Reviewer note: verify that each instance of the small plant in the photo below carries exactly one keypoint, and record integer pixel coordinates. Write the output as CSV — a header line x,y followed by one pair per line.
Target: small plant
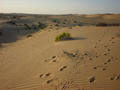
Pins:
x,y
64,23
107,24
56,25
75,21
34,26
56,21
41,25
11,22
29,35
27,27
63,36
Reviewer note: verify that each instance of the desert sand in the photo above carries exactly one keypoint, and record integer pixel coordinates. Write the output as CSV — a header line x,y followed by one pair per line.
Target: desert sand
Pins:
x,y
90,61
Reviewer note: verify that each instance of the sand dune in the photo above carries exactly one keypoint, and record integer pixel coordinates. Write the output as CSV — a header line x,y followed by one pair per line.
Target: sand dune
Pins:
x,y
89,62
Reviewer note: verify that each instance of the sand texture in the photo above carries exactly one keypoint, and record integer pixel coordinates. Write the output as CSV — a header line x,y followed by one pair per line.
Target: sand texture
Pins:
x,y
90,61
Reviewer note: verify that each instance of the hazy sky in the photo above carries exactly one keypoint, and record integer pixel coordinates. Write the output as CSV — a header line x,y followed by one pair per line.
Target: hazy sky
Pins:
x,y
60,6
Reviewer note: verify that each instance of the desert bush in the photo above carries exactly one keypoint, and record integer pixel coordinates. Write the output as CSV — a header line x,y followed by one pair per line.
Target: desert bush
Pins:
x,y
27,26
64,23
105,24
75,21
29,35
11,22
34,26
56,24
63,36
56,21
41,25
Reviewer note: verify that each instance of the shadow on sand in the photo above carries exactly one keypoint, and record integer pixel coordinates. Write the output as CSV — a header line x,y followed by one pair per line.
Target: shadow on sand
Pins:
x,y
78,38
75,38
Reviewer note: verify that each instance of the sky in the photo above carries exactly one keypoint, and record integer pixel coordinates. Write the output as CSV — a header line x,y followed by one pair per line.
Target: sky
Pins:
x,y
60,6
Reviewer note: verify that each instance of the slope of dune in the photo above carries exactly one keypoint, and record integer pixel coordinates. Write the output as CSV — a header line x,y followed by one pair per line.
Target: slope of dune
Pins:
x,y
90,61
105,16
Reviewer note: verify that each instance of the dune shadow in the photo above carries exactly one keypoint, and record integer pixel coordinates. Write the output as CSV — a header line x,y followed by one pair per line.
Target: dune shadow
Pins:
x,y
10,36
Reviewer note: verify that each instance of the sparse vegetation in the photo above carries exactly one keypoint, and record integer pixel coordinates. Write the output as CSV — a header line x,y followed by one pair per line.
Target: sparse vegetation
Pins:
x,y
41,25
105,24
75,21
56,24
63,36
29,35
34,26
64,23
11,22
56,21
27,27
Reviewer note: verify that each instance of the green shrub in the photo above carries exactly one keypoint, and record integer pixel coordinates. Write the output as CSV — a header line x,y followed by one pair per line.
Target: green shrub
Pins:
x,y
56,21
63,36
64,23
27,27
56,25
41,25
29,35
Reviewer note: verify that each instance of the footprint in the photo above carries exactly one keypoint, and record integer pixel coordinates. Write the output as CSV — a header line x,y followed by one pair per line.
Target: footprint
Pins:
x,y
109,60
81,89
95,47
85,54
94,67
49,81
64,67
53,57
105,63
96,56
104,69
92,79
90,58
47,60
48,74
113,38
45,75
108,50
66,85
105,46
41,75
99,40
54,61
105,54
116,77
113,42
50,59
